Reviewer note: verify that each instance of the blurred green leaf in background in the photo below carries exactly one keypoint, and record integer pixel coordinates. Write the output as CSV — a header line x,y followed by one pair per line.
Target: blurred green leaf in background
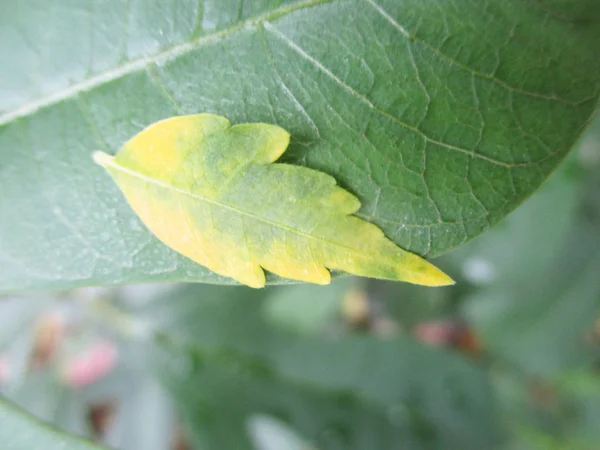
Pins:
x,y
441,116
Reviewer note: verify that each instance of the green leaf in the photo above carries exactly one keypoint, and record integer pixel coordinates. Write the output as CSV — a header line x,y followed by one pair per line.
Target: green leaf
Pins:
x,y
441,117
19,431
224,365
211,192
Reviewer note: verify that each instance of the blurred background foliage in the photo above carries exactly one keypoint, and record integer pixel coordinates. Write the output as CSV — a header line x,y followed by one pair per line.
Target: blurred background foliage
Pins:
x,y
506,359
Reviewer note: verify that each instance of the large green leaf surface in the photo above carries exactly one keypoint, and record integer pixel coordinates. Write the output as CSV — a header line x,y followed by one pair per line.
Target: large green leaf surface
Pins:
x,y
225,364
440,116
19,431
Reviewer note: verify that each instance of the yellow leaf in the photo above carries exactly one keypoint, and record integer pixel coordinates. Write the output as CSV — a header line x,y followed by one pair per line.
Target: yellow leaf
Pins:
x,y
213,193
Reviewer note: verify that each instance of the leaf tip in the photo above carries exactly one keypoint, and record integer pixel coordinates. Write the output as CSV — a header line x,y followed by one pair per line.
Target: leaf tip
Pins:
x,y
436,278
102,159
416,270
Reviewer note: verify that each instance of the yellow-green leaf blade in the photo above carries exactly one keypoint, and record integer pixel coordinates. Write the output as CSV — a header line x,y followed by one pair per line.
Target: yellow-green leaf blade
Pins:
x,y
213,193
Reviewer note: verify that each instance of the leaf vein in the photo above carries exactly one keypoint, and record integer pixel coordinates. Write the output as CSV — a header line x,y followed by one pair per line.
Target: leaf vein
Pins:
x,y
139,64
294,46
223,205
490,77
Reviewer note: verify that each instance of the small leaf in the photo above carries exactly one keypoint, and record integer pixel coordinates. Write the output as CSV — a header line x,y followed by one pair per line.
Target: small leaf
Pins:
x,y
211,192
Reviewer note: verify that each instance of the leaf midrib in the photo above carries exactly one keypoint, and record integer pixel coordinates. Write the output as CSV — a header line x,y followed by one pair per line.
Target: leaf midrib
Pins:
x,y
139,64
110,161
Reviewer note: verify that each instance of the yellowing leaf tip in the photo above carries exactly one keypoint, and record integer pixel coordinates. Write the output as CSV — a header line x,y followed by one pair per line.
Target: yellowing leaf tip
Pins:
x,y
437,278
432,276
